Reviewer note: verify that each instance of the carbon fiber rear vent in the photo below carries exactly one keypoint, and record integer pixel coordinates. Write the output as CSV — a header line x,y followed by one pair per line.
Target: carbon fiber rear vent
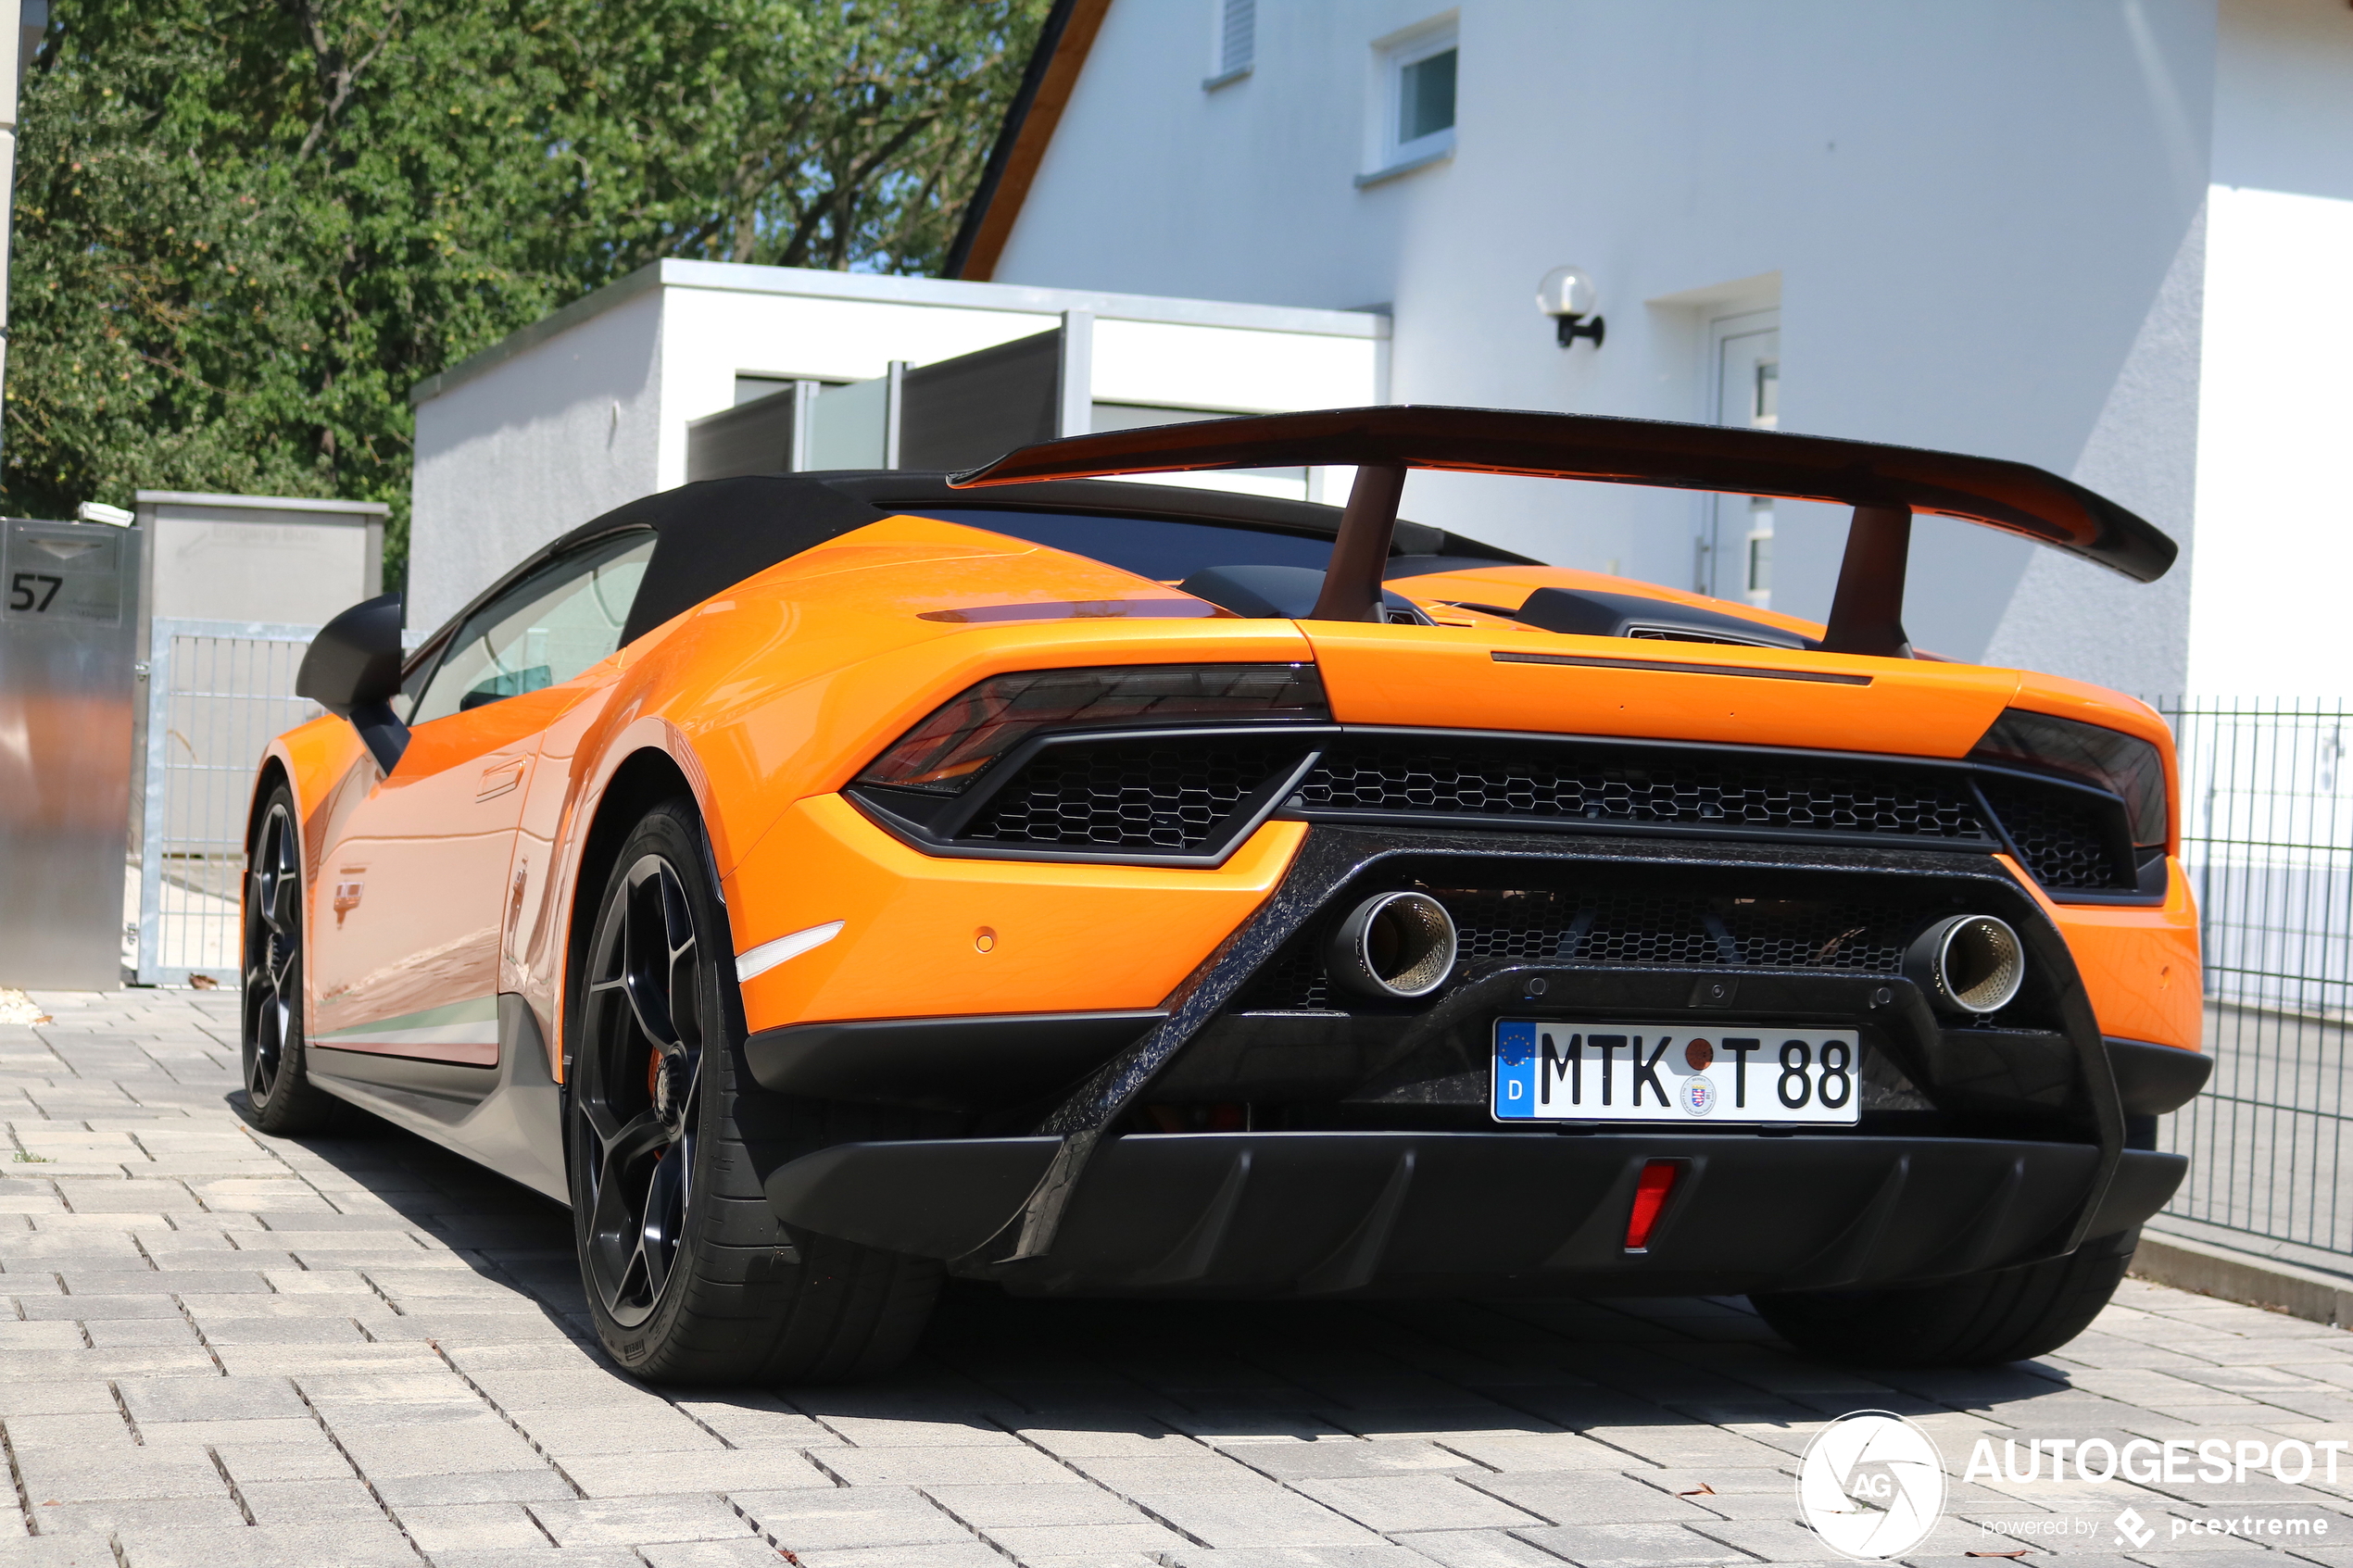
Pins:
x,y
1626,925
2066,839
1132,795
1652,929
1659,789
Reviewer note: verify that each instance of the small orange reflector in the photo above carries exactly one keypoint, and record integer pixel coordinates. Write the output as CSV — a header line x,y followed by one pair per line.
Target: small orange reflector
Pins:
x,y
1650,1200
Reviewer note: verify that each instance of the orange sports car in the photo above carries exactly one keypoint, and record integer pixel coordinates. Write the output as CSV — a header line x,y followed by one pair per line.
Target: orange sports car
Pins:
x,y
829,883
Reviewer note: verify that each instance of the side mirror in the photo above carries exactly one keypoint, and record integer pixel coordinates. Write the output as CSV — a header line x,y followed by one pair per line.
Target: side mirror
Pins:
x,y
353,672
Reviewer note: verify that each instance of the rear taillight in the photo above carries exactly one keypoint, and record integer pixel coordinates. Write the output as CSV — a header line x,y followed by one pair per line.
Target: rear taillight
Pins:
x,y
1650,1192
943,754
2104,759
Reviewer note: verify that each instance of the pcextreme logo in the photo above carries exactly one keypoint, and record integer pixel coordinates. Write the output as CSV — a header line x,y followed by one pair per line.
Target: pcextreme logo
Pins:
x,y
1871,1484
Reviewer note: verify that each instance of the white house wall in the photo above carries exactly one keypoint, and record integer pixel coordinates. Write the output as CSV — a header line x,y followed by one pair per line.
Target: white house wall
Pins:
x,y
2095,624
1232,369
537,444
2275,508
1982,219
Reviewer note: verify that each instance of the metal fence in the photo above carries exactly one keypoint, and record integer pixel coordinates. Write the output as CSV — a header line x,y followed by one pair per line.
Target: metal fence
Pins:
x,y
217,692
2266,835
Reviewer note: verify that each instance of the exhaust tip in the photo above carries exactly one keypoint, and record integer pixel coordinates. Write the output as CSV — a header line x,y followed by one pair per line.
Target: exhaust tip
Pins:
x,y
1393,947
1968,964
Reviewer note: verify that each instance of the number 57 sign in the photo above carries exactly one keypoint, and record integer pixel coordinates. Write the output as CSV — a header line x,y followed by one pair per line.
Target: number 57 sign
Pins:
x,y
35,591
63,572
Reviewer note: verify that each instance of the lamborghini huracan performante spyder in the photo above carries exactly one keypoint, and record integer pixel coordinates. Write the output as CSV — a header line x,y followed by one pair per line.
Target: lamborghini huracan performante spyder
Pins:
x,y
830,883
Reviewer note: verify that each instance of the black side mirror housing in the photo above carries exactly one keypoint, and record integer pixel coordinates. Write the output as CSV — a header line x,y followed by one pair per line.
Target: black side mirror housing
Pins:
x,y
353,672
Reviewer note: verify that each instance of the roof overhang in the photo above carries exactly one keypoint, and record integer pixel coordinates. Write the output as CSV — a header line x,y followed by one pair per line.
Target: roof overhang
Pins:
x,y
1046,86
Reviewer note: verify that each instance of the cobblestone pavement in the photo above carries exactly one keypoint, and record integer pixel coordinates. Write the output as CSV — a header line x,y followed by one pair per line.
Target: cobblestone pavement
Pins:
x,y
228,1350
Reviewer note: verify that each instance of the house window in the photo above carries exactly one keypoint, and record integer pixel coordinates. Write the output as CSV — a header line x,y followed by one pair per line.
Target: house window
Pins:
x,y
1426,98
1414,99
1235,47
1238,39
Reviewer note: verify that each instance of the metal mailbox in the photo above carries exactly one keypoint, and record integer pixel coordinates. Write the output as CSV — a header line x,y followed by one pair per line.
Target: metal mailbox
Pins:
x,y
69,625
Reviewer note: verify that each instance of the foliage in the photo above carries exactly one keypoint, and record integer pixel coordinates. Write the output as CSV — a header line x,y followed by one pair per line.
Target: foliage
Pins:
x,y
243,230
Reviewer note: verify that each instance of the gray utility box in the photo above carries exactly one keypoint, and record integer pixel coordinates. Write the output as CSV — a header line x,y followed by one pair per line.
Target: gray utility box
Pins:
x,y
273,561
279,558
69,628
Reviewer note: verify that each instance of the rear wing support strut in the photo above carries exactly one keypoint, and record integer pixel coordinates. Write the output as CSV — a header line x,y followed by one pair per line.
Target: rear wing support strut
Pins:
x,y
1867,613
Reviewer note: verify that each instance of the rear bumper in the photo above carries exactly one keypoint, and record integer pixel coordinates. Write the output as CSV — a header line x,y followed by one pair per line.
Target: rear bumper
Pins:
x,y
1403,1212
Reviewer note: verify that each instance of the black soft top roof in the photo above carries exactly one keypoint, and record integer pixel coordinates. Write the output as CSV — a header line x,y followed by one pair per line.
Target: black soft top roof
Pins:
x,y
715,532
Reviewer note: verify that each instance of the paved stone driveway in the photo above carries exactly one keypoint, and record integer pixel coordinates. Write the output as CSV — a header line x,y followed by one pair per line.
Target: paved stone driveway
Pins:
x,y
228,1350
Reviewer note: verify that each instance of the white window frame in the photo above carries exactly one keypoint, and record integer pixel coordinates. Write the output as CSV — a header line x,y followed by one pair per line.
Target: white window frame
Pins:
x,y
1387,154
1222,70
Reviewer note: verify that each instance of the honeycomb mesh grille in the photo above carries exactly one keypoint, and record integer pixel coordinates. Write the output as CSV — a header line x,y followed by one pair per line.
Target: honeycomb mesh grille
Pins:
x,y
1172,797
1146,795
1533,784
1632,927
2060,836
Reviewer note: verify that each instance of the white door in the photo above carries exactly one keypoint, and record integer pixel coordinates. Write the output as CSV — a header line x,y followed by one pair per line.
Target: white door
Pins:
x,y
1735,547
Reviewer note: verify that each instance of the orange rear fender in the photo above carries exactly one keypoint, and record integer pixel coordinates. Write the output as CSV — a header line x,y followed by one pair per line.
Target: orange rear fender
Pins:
x,y
928,937
2139,962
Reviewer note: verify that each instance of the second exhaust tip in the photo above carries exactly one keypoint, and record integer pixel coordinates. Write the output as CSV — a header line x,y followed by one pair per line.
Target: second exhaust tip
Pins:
x,y
1392,946
1969,964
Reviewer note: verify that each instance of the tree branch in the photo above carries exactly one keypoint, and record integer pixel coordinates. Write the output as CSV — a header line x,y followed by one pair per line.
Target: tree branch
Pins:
x,y
845,190
338,75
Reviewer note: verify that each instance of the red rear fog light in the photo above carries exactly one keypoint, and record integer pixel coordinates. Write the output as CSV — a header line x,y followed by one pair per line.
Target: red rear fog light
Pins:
x,y
1650,1200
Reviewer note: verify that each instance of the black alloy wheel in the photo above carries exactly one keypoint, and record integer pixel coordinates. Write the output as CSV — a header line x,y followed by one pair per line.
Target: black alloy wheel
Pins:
x,y
690,1276
640,1091
278,1090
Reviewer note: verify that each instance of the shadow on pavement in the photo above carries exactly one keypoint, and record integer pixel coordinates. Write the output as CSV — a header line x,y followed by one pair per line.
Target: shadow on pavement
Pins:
x,y
1372,1368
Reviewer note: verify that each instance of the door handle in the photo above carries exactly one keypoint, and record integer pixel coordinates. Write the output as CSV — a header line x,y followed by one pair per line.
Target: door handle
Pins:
x,y
498,780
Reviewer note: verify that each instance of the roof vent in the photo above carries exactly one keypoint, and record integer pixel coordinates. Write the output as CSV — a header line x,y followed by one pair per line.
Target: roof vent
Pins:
x,y
1630,615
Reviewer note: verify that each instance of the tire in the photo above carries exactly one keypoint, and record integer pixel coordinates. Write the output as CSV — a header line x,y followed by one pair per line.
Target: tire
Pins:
x,y
280,1097
691,1277
1977,1320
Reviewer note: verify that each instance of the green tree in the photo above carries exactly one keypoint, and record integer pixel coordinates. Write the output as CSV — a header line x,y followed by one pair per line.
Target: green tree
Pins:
x,y
243,231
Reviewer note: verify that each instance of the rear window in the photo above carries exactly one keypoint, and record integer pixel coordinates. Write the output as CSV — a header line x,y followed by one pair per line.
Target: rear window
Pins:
x,y
1159,548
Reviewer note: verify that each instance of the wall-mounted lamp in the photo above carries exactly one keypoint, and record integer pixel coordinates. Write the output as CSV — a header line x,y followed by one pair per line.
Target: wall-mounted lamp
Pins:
x,y
1569,296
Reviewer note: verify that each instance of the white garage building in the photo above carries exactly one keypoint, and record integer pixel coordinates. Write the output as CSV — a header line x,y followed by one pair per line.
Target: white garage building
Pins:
x,y
699,370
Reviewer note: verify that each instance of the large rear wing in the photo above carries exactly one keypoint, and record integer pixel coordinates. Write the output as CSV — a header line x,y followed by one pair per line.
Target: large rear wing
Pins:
x,y
1884,485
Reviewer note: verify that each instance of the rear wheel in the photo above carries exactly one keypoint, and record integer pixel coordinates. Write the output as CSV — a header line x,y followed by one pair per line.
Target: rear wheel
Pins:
x,y
1977,1320
691,1277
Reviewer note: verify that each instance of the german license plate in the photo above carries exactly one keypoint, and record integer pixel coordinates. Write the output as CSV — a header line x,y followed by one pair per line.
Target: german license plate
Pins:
x,y
1583,1071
